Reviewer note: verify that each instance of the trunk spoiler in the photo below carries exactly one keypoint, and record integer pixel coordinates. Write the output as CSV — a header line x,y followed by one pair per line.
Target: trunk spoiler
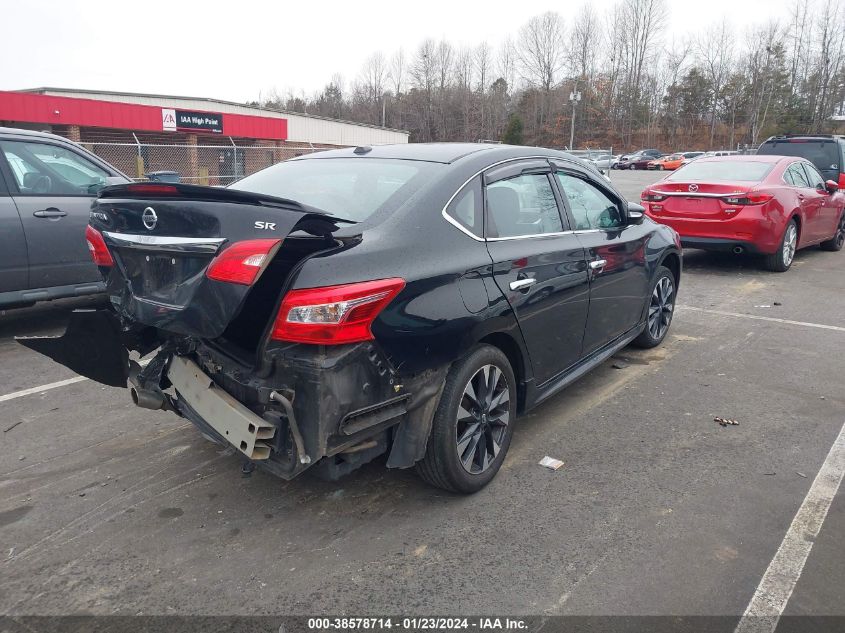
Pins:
x,y
202,193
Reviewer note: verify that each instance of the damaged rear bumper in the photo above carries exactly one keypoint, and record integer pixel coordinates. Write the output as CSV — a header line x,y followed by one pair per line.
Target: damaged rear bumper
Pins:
x,y
333,407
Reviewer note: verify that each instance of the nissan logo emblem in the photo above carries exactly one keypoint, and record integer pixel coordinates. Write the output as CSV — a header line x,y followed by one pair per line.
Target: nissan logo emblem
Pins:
x,y
693,188
149,218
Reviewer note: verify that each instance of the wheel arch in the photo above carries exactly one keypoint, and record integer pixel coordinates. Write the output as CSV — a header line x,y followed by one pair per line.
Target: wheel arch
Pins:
x,y
672,261
511,349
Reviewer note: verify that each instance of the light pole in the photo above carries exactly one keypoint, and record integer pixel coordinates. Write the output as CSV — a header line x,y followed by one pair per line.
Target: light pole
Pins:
x,y
574,98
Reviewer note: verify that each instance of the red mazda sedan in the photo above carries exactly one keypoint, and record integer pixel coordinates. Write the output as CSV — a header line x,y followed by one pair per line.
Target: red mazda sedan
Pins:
x,y
768,205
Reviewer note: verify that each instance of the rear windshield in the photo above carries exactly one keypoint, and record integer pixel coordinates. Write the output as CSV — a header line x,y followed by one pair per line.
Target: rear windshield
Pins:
x,y
823,154
704,171
350,188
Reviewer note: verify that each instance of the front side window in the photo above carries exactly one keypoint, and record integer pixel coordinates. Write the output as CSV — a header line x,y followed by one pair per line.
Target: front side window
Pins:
x,y
521,206
45,169
591,208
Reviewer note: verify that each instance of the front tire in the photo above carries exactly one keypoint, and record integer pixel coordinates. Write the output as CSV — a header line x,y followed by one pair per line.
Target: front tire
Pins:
x,y
661,308
781,259
838,240
473,424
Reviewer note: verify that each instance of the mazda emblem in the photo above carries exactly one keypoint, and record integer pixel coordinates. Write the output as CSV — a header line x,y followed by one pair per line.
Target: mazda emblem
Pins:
x,y
693,188
149,218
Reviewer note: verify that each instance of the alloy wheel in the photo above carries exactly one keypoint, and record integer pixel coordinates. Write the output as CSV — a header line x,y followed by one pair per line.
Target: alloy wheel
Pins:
x,y
789,243
661,308
839,238
483,417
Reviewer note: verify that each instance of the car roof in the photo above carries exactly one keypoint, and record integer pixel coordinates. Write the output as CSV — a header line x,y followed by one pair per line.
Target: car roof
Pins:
x,y
441,152
804,137
752,158
43,135
431,152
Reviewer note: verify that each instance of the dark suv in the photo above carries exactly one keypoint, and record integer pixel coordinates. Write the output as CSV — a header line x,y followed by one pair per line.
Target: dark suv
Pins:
x,y
825,151
47,185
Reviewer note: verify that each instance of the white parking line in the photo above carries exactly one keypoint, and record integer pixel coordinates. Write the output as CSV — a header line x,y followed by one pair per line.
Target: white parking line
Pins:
x,y
47,387
758,317
52,385
777,584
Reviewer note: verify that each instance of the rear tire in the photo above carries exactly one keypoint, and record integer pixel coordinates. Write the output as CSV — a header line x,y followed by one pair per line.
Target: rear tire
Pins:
x,y
838,240
470,435
782,258
661,308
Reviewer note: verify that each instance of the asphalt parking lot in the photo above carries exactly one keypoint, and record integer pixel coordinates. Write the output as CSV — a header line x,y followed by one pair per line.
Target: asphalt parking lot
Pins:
x,y
110,509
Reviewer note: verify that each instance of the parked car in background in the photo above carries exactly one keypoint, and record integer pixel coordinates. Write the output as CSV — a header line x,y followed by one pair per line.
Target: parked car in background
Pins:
x,y
670,162
47,185
301,319
689,157
164,176
768,205
642,160
603,161
826,152
624,161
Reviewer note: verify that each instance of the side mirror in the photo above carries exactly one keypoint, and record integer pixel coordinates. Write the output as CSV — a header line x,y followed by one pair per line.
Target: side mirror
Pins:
x,y
832,186
636,213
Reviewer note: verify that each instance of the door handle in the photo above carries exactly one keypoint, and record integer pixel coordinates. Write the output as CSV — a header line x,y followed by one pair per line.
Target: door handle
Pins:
x,y
50,213
598,264
800,196
519,284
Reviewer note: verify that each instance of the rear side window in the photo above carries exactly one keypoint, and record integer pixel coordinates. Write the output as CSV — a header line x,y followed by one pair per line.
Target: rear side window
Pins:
x,y
467,209
814,178
350,188
796,176
521,206
731,170
823,154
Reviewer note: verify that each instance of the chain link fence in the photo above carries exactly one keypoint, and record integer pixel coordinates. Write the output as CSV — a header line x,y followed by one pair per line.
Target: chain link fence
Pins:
x,y
215,165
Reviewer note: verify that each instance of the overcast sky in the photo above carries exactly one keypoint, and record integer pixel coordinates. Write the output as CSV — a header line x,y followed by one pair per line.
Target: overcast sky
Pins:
x,y
237,49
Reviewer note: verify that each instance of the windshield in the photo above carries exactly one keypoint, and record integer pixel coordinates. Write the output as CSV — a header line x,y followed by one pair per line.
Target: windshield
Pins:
x,y
350,188
821,153
730,170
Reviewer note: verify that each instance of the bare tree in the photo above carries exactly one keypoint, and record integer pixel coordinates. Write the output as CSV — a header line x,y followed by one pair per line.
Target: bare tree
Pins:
x,y
715,50
424,76
541,49
542,54
585,42
506,62
397,72
642,25
799,36
483,60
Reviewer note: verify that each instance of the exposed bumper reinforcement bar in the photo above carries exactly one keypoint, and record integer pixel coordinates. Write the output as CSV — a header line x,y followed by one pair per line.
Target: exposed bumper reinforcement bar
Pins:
x,y
242,428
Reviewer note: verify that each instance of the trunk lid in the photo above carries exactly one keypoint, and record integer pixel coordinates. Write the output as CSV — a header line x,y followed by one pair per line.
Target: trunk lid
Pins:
x,y
694,200
163,238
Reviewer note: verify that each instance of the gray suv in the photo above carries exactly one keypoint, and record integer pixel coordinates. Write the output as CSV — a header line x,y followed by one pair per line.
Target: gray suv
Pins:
x,y
47,185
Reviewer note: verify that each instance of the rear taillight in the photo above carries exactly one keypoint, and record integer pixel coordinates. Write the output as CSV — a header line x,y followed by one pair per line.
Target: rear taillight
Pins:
x,y
748,199
334,314
97,247
650,196
242,262
152,189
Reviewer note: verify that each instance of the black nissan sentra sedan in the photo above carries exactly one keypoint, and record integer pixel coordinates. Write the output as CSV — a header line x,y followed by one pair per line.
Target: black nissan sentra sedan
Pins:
x,y
409,300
